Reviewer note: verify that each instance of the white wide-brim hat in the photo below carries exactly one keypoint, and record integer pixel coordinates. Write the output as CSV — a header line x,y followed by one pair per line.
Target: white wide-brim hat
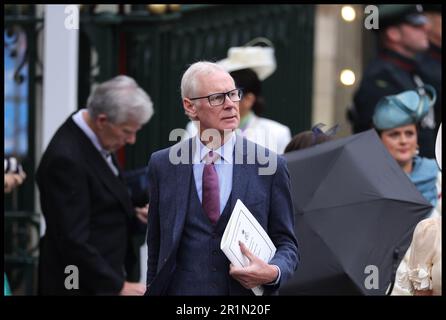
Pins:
x,y
260,59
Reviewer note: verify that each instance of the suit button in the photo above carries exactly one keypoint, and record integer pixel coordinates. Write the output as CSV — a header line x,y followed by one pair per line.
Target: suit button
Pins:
x,y
165,259
214,252
214,269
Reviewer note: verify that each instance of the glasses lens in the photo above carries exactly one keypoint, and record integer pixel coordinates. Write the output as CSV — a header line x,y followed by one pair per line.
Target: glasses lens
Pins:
x,y
217,99
235,95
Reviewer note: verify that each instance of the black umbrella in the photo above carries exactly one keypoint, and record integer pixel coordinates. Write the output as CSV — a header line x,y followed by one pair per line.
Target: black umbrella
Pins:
x,y
355,214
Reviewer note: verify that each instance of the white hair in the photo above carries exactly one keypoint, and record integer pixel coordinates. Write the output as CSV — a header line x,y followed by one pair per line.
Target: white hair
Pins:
x,y
189,83
121,99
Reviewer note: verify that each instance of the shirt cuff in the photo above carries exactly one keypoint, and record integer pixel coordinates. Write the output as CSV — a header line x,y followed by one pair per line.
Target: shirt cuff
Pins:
x,y
273,283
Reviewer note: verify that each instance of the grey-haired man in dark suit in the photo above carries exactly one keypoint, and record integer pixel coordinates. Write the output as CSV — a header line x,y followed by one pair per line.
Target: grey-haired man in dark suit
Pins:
x,y
85,202
184,229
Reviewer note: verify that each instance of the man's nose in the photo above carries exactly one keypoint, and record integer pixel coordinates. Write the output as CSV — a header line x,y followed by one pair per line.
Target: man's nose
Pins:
x,y
229,103
131,139
425,27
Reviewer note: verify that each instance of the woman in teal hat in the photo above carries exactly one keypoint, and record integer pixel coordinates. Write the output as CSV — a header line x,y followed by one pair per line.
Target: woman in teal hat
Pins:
x,y
396,120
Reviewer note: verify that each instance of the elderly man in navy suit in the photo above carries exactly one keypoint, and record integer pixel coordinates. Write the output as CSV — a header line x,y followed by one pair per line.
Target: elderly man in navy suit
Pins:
x,y
85,202
194,187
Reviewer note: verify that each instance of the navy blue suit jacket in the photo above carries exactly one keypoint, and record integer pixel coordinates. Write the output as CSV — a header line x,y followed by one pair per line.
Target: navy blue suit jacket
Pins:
x,y
266,196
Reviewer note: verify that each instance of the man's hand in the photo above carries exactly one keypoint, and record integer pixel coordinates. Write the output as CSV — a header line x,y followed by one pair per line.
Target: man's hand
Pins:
x,y
132,289
142,213
258,272
13,180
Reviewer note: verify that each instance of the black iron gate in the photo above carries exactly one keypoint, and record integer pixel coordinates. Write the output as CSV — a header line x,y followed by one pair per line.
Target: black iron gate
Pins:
x,y
156,49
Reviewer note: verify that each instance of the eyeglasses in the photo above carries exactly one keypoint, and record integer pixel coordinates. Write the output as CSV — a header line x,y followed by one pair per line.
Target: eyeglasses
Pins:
x,y
218,99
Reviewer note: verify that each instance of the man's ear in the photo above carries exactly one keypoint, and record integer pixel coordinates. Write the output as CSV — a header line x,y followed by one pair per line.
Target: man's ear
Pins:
x,y
189,108
393,33
101,120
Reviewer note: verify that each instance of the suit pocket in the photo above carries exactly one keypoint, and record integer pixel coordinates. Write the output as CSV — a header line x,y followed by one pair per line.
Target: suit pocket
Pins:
x,y
185,283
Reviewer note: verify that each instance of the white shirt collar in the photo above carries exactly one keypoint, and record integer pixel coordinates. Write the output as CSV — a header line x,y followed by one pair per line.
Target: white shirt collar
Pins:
x,y
82,124
225,151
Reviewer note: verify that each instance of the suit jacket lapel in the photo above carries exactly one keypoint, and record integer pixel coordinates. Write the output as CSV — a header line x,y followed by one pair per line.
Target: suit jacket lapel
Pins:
x,y
117,166
240,174
102,170
112,182
183,173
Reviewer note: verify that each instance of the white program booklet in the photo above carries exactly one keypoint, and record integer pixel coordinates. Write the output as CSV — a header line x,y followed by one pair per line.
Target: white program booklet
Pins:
x,y
242,226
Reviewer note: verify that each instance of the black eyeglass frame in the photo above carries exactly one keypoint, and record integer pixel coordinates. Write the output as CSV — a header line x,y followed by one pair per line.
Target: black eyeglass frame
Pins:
x,y
225,94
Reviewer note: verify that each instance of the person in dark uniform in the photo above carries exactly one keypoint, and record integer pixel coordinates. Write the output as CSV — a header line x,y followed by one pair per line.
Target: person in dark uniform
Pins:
x,y
429,64
402,35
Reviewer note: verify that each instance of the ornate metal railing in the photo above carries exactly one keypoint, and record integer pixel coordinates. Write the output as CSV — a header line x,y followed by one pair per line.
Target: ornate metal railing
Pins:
x,y
22,30
21,234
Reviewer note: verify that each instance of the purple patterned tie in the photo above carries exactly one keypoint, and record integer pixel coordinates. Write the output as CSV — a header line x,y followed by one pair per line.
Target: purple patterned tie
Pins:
x,y
211,190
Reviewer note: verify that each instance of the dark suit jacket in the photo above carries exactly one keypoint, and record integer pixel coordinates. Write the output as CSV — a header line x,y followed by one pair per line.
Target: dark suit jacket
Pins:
x,y
267,196
87,210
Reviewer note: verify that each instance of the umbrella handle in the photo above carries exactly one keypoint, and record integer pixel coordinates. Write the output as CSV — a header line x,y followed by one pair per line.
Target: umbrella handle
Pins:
x,y
396,254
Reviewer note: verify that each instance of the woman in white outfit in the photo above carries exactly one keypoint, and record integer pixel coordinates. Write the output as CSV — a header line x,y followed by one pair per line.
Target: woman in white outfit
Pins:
x,y
423,275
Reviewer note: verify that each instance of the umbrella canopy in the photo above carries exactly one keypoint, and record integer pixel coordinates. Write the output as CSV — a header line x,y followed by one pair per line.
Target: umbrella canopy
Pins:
x,y
355,213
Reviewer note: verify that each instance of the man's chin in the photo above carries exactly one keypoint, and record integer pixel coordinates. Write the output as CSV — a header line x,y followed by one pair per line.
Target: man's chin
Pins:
x,y
231,126
230,129
114,149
